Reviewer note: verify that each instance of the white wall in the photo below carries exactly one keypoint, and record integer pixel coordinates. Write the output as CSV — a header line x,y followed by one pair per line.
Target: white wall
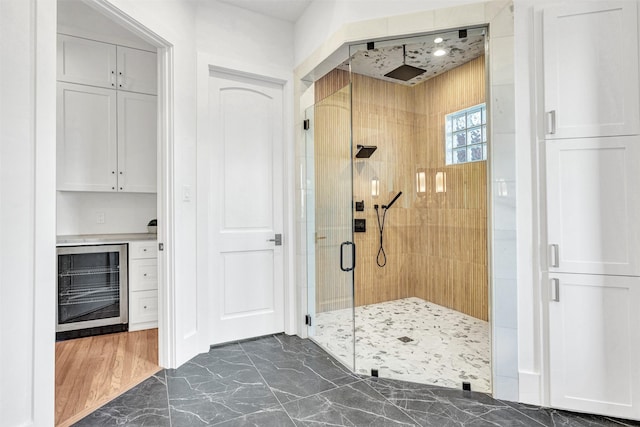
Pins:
x,y
323,18
27,211
122,212
78,19
242,41
175,22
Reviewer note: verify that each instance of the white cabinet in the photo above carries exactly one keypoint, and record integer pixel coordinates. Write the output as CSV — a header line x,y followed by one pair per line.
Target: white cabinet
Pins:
x,y
106,117
594,344
143,285
86,62
86,138
591,69
137,142
137,70
593,206
106,140
94,63
592,169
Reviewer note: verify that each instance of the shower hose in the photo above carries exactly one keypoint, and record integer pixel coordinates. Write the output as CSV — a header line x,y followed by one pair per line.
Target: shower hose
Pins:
x,y
381,258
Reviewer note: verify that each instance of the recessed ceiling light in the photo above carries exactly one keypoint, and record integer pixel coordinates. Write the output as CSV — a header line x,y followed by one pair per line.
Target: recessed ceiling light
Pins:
x,y
440,52
438,40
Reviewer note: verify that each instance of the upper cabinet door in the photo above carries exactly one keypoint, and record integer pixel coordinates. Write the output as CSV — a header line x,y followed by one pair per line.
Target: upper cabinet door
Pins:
x,y
137,142
594,205
86,62
86,138
137,70
591,69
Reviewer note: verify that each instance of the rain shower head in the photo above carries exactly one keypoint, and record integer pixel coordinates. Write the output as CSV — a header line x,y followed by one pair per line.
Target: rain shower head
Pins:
x,y
405,72
365,151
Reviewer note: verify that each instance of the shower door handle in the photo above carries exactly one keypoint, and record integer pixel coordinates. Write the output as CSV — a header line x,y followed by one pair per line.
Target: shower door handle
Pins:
x,y
353,256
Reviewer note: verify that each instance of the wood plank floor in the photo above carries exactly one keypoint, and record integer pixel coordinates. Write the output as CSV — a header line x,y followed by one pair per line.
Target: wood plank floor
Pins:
x,y
92,371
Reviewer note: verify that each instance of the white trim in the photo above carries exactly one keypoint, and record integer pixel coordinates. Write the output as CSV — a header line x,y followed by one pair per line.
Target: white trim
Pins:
x,y
165,180
44,216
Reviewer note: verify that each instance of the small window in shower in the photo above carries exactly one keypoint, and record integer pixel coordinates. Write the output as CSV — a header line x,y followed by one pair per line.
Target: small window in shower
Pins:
x,y
466,135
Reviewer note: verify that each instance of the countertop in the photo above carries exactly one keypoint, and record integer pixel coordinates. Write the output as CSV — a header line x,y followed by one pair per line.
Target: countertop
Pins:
x,y
93,239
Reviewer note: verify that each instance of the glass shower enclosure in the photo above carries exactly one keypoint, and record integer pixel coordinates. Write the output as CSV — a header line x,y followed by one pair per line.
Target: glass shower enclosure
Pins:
x,y
330,247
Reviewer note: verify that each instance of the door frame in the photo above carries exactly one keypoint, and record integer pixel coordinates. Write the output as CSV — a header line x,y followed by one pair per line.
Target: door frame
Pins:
x,y
206,63
165,177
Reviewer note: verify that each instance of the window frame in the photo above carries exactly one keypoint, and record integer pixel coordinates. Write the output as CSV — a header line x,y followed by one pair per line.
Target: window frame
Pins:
x,y
460,125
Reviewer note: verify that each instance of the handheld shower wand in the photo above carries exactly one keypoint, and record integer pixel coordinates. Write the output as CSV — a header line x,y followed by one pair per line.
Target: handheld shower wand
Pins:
x,y
381,259
392,201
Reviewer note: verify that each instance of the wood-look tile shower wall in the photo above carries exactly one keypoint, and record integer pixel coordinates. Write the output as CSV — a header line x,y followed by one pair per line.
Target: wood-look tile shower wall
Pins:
x,y
436,245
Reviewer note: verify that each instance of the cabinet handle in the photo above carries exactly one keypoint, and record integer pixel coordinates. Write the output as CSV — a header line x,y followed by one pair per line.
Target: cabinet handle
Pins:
x,y
554,255
145,307
121,188
113,188
555,290
113,172
551,122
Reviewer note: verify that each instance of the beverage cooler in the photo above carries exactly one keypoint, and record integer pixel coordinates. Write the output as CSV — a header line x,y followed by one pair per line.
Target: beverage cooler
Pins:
x,y
91,290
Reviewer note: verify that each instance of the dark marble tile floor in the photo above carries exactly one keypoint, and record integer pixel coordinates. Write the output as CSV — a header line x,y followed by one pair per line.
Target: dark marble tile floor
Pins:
x,y
287,381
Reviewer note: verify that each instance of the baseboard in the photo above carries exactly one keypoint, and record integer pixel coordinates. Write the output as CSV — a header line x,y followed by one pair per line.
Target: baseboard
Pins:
x,y
530,388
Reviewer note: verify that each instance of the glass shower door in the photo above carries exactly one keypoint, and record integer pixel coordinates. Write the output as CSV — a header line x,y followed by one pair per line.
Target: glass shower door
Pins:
x,y
331,252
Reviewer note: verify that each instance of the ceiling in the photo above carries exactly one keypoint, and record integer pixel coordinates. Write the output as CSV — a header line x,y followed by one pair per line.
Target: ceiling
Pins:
x,y
287,10
419,53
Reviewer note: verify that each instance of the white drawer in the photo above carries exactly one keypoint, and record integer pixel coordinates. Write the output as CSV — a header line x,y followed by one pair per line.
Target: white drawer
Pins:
x,y
143,307
143,249
143,274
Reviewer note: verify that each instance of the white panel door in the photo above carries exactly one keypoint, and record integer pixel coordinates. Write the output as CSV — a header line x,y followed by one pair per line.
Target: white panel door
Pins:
x,y
86,61
86,138
246,207
591,69
137,70
593,205
137,142
594,342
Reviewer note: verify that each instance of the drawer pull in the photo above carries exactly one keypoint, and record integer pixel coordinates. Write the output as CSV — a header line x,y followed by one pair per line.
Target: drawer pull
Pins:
x,y
145,274
145,307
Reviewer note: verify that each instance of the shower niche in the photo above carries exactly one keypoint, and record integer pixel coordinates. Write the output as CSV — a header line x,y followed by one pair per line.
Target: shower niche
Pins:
x,y
415,306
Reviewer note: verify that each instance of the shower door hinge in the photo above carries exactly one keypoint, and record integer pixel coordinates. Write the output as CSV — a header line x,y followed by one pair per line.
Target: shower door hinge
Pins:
x,y
306,124
161,246
307,320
